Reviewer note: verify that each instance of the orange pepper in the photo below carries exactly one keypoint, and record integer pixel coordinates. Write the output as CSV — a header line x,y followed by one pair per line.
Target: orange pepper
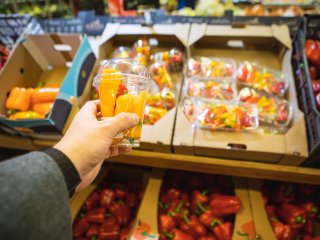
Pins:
x,y
19,99
42,108
43,95
26,115
139,103
124,103
108,91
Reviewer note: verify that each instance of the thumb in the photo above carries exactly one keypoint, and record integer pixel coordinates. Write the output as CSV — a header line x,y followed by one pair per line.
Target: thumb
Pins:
x,y
122,122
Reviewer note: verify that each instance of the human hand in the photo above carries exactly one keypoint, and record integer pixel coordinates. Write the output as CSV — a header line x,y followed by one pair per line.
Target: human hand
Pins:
x,y
87,142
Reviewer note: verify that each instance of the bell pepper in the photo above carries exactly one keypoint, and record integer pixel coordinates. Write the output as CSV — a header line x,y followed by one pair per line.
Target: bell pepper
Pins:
x,y
80,226
132,200
121,192
192,225
208,237
124,234
107,197
224,205
19,99
223,231
121,212
124,103
109,231
312,50
25,115
281,231
122,90
93,232
177,234
292,215
283,193
43,95
96,215
176,211
42,108
92,201
310,209
308,237
171,195
139,104
199,201
166,223
309,227
271,211
208,219
162,208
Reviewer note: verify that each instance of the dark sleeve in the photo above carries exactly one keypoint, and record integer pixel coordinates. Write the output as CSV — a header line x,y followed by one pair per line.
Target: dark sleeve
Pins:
x,y
70,173
34,200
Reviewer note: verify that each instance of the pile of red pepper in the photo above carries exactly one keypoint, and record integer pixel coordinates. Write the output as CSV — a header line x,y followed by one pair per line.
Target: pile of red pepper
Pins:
x,y
292,209
109,211
196,206
312,48
4,55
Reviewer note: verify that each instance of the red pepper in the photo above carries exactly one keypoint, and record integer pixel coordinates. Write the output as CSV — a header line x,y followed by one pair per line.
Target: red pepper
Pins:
x,y
271,211
310,209
80,226
307,190
176,211
292,215
121,212
107,232
166,223
308,237
124,234
281,231
93,232
171,195
224,205
177,234
132,200
121,192
313,72
96,215
107,197
199,200
283,193
312,50
208,219
309,228
192,226
162,208
92,201
223,231
208,237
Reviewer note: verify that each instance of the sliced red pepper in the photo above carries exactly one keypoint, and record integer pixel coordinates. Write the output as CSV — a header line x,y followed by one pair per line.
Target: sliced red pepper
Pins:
x,y
292,215
107,196
92,201
223,231
224,205
80,226
166,223
121,212
96,215
192,225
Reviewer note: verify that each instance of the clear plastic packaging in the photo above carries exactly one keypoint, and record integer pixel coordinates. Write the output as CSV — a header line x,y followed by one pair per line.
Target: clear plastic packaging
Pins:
x,y
160,75
153,114
211,89
142,46
122,84
165,99
211,67
262,79
225,115
121,52
273,111
173,59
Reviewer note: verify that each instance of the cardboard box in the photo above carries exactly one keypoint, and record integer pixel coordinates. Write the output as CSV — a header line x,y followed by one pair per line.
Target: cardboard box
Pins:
x,y
147,221
66,60
157,137
269,46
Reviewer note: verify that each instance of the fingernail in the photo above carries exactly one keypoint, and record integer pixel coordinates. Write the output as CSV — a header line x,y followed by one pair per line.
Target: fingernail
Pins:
x,y
135,118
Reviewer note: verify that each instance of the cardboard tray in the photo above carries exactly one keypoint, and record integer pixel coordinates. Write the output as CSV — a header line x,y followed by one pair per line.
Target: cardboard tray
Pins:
x,y
157,137
66,60
147,221
269,46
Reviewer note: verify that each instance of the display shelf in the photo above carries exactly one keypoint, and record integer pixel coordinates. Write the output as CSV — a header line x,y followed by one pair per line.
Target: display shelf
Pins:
x,y
239,168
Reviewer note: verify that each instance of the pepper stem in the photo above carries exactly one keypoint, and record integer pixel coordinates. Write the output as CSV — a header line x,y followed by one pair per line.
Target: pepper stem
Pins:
x,y
299,219
185,216
201,207
168,235
178,208
215,222
205,192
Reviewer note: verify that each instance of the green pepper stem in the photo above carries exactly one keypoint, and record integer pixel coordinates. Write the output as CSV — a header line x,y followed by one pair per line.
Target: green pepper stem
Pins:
x,y
168,235
178,208
215,222
299,219
185,216
201,207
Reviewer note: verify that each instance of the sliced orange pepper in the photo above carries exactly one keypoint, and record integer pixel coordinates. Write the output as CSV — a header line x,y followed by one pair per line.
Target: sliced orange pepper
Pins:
x,y
42,108
19,99
108,91
26,115
124,103
139,103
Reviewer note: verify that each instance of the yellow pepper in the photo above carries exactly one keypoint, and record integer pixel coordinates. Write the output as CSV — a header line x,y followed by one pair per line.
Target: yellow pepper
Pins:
x,y
124,103
26,115
138,109
19,99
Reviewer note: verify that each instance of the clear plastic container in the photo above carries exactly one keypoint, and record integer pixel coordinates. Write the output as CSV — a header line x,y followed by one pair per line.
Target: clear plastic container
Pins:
x,y
263,79
165,99
122,84
172,58
211,89
160,75
142,46
121,52
225,115
273,111
153,114
212,68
